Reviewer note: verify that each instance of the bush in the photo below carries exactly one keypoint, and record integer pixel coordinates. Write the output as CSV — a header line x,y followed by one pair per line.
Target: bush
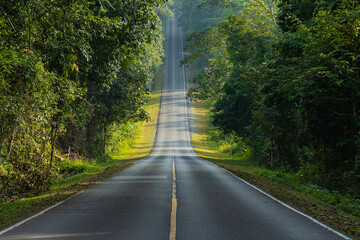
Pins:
x,y
22,176
71,167
309,173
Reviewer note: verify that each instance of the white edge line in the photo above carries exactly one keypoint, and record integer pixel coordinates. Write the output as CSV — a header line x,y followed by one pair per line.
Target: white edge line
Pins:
x,y
36,215
51,207
275,199
256,188
289,207
249,184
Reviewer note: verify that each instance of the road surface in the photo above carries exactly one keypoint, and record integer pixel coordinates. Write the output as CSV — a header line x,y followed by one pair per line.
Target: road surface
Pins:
x,y
172,194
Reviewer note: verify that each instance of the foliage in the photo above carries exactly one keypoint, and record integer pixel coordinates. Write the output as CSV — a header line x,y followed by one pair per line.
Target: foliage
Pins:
x,y
68,71
69,167
311,82
121,138
230,152
285,79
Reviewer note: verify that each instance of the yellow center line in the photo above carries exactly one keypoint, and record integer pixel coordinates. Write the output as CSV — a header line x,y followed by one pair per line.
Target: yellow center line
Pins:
x,y
174,173
173,66
172,235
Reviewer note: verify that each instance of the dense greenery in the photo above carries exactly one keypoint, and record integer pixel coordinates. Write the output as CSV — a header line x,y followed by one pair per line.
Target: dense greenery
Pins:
x,y
72,72
284,77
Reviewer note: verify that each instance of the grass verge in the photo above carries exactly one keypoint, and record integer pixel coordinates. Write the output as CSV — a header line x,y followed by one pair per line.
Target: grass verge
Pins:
x,y
144,141
84,174
318,203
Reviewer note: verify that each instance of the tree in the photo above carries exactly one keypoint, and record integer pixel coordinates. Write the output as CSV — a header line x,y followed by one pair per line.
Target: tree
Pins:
x,y
312,83
69,69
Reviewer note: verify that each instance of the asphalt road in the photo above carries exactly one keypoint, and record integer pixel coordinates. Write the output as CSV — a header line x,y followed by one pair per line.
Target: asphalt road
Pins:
x,y
172,194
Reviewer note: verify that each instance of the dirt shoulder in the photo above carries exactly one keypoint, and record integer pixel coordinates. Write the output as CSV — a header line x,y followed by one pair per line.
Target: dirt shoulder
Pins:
x,y
319,210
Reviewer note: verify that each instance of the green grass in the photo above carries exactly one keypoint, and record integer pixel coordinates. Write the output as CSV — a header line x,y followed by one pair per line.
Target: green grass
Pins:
x,y
78,175
339,211
145,137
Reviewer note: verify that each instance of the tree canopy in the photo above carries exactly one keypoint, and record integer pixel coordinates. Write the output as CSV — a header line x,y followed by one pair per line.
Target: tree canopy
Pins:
x,y
286,75
68,70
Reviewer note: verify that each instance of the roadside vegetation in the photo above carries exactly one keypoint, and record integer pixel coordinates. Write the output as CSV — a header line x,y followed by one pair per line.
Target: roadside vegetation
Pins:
x,y
283,77
340,211
80,88
277,84
76,175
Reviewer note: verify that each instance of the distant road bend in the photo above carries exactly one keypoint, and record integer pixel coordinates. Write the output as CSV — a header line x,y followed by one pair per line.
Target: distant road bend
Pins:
x,y
172,194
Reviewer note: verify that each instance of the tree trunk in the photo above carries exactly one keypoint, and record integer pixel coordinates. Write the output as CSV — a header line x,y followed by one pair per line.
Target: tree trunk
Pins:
x,y
29,37
11,142
53,138
325,159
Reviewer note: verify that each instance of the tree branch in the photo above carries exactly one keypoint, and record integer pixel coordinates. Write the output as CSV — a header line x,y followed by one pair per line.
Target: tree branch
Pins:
x,y
27,25
9,20
134,10
63,26
337,113
269,9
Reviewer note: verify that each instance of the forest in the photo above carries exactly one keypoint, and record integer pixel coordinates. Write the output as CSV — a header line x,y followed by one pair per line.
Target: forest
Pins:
x,y
72,72
282,77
